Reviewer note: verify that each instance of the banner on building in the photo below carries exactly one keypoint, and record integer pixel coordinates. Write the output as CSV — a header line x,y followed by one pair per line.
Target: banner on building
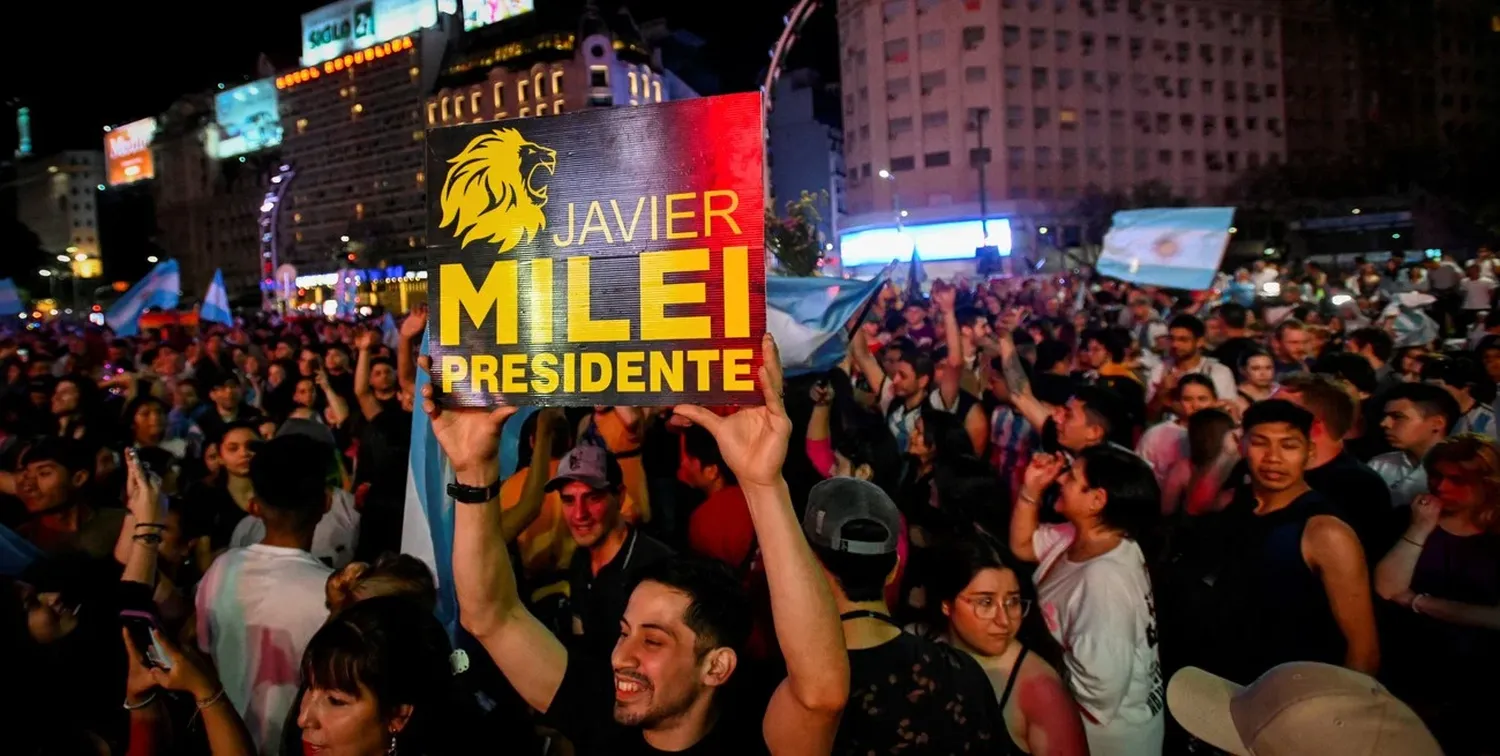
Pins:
x,y
613,256
1177,247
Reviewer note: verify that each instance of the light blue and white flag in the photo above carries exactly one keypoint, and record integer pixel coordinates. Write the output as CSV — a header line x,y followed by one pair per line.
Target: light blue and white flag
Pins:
x,y
215,307
390,333
811,318
1176,247
162,287
10,298
427,523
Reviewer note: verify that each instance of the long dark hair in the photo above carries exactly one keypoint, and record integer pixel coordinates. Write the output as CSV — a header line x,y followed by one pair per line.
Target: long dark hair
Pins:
x,y
397,650
964,557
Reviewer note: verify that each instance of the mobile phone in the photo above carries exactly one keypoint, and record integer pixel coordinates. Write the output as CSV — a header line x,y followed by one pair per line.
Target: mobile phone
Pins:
x,y
140,626
132,453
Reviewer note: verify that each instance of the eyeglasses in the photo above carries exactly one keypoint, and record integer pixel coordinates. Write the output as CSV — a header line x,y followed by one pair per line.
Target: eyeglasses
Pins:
x,y
986,607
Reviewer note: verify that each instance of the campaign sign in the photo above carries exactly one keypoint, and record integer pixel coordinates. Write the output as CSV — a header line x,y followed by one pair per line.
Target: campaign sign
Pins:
x,y
611,256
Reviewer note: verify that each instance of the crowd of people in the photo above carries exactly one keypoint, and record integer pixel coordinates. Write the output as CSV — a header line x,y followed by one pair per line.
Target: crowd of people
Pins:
x,y
1031,515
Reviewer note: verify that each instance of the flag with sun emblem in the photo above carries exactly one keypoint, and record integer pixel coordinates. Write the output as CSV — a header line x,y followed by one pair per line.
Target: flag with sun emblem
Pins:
x,y
611,256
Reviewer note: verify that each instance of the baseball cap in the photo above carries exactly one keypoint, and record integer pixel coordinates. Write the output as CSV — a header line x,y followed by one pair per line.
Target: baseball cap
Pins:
x,y
836,502
301,426
590,464
1296,708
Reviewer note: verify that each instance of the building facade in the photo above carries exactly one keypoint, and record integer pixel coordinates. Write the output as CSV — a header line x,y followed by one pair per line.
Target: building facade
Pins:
x,y
806,150
1061,94
563,57
353,133
57,198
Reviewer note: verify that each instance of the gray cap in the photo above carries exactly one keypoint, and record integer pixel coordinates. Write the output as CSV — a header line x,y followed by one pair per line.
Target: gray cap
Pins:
x,y
836,502
297,426
589,464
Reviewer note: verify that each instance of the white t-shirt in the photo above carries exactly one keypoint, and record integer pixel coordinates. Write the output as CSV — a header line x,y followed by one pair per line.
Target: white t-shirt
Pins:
x,y
1103,615
1218,372
257,609
333,542
1477,293
1161,446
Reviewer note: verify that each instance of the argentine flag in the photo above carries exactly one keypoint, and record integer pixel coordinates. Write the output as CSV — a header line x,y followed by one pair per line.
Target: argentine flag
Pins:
x,y
215,307
812,318
1176,247
10,298
162,287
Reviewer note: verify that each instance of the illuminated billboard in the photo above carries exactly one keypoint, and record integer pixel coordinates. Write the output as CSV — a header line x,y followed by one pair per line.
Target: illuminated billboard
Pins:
x,y
479,13
127,152
350,25
246,119
953,240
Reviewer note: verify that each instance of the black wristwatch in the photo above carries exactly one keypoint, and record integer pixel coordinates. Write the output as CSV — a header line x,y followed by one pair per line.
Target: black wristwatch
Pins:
x,y
473,494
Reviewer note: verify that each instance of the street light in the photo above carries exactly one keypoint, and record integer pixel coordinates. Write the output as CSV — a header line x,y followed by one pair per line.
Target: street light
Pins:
x,y
62,258
151,258
80,257
44,273
885,174
344,238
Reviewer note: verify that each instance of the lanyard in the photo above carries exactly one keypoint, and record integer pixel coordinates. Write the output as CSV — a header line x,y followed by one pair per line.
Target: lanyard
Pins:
x,y
871,614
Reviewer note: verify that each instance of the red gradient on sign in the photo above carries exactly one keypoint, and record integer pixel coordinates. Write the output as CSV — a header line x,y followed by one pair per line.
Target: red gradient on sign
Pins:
x,y
725,136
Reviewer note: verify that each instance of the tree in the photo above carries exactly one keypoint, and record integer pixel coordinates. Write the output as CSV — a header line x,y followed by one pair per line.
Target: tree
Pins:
x,y
21,254
795,240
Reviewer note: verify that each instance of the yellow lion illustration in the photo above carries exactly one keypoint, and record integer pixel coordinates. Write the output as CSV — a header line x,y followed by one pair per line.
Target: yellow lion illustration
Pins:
x,y
494,190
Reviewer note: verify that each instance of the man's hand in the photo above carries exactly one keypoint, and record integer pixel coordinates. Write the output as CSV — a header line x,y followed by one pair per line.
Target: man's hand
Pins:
x,y
414,323
753,441
1040,472
367,341
944,296
470,437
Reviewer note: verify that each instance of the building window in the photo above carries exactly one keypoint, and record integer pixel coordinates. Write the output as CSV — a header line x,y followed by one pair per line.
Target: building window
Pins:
x,y
541,108
1062,40
979,156
899,126
935,120
933,81
1189,157
1086,41
1041,117
1044,157
1091,80
974,35
1015,157
896,51
598,77
1164,157
894,9
1064,79
1068,118
1017,192
1012,77
974,74
499,96
931,40
474,102
525,113
1038,38
901,164
557,82
1015,116
935,159
521,87
1038,78
1069,157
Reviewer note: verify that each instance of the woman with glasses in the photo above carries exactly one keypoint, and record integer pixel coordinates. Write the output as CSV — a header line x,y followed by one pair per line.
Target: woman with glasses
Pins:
x,y
980,595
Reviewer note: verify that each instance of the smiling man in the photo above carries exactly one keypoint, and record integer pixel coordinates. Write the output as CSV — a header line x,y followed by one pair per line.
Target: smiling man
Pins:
x,y
611,554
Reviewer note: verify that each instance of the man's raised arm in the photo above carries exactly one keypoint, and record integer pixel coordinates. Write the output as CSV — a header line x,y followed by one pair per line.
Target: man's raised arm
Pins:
x,y
803,715
532,659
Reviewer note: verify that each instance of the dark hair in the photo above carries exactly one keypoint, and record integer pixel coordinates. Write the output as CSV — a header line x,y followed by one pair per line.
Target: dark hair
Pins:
x,y
398,651
1326,398
1288,324
860,576
1198,379
718,610
391,574
945,433
1460,373
70,454
1103,408
1277,411
1133,497
1049,353
864,439
1114,340
1252,353
1376,339
217,431
1234,315
699,444
920,361
290,477
1350,367
1189,323
1428,399
1206,429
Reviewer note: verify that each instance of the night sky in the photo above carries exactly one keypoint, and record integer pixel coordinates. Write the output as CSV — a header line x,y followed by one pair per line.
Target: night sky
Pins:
x,y
80,66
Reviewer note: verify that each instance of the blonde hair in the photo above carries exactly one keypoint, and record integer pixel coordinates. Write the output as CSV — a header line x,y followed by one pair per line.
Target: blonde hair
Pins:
x,y
1478,456
391,575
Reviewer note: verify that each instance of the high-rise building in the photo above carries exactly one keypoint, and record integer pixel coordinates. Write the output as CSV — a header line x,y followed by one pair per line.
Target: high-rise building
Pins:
x,y
565,56
1062,94
57,198
806,151
205,207
353,136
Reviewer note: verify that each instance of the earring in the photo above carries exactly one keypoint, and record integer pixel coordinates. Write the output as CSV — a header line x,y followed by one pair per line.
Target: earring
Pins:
x,y
391,749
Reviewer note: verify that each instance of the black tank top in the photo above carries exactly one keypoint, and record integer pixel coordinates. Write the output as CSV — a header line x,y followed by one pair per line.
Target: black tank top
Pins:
x,y
1010,748
1276,607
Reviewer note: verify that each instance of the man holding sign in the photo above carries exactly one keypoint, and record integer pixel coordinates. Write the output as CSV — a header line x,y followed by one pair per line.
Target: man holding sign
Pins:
x,y
602,258
686,623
